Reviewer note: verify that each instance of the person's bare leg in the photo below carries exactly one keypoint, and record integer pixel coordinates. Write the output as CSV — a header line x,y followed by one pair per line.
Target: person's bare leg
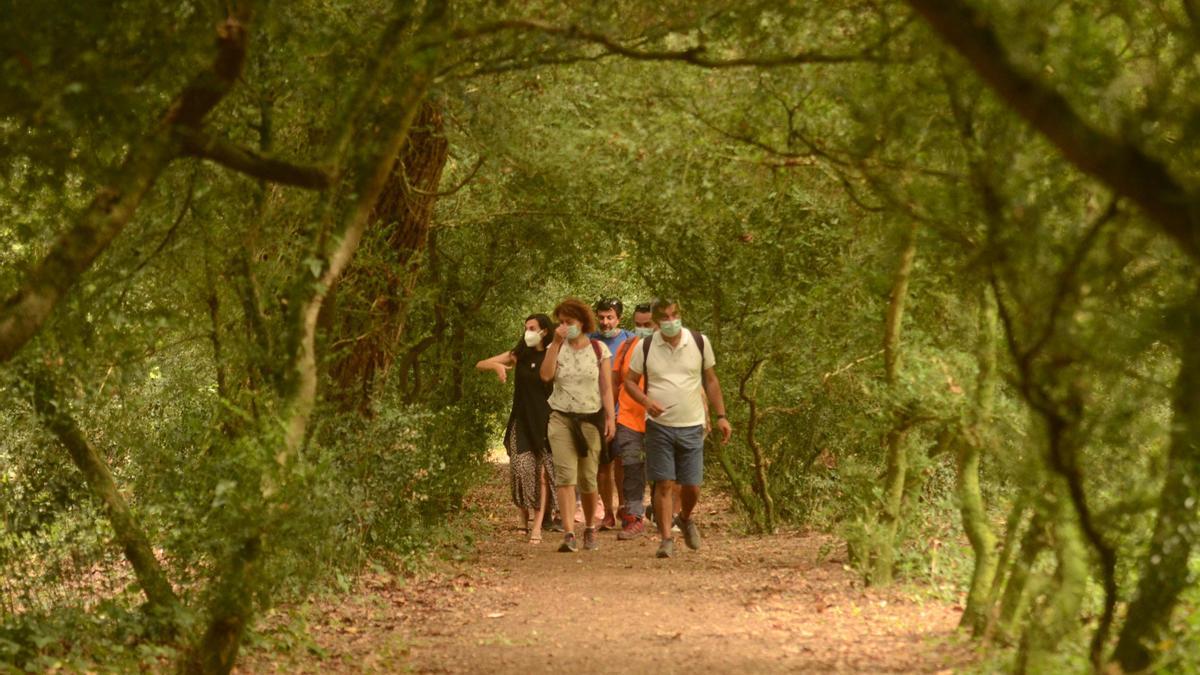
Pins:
x,y
677,502
589,508
535,531
619,482
689,497
524,517
663,507
566,506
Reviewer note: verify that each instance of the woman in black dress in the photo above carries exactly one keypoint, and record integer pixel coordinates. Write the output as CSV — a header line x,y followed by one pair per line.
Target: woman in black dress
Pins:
x,y
525,435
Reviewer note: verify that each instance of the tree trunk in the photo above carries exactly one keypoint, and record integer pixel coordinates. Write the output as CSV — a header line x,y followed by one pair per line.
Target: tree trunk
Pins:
x,y
380,294
974,514
1164,570
1059,617
761,484
160,597
897,451
1016,592
373,159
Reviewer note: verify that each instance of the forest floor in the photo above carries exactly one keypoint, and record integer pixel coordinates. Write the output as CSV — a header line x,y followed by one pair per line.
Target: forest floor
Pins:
x,y
739,604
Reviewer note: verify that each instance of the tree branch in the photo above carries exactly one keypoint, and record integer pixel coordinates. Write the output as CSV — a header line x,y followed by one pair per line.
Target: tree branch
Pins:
x,y
1122,166
197,143
25,311
697,55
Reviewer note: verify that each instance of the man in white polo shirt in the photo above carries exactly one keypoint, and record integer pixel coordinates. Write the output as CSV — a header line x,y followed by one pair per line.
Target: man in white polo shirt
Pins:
x,y
676,363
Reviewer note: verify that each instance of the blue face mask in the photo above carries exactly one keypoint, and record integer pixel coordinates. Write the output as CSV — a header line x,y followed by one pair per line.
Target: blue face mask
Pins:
x,y
671,328
572,331
643,331
611,333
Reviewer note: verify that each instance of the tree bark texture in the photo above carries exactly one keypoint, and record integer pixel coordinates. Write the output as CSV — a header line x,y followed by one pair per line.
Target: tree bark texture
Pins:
x,y
374,299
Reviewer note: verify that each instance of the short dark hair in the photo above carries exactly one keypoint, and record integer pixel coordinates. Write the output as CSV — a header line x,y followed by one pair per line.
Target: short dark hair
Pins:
x,y
659,305
605,304
642,308
574,308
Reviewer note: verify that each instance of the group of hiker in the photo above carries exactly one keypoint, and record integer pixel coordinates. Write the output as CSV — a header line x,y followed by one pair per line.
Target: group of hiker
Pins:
x,y
598,409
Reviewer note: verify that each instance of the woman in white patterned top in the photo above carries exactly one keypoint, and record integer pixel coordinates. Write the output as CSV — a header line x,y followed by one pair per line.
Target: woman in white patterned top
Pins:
x,y
581,413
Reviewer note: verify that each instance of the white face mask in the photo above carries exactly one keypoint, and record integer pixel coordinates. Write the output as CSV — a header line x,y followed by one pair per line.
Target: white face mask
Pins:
x,y
532,338
671,328
643,331
612,333
572,331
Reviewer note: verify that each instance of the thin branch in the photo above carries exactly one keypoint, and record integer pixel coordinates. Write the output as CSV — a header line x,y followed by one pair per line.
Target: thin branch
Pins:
x,y
697,55
444,193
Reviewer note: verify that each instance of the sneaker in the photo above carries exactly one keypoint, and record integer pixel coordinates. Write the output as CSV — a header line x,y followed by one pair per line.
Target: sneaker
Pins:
x,y
589,539
632,528
666,549
691,533
608,523
568,544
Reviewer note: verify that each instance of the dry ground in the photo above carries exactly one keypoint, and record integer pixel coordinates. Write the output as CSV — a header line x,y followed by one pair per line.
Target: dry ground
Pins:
x,y
740,604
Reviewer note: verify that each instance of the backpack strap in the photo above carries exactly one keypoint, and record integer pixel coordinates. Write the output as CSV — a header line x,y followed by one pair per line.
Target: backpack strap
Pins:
x,y
645,363
698,338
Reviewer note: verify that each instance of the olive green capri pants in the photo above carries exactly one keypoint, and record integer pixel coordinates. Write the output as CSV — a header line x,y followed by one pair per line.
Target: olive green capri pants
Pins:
x,y
569,467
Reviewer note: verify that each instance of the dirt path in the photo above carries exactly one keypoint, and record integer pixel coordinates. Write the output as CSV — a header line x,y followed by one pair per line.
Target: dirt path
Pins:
x,y
740,604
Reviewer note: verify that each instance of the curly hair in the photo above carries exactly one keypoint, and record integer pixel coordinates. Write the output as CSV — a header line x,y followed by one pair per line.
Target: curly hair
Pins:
x,y
574,308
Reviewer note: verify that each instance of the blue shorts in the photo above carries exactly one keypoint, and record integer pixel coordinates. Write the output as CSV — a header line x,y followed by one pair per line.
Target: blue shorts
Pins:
x,y
675,453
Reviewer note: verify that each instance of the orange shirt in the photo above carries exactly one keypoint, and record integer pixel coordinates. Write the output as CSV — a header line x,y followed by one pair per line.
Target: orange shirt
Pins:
x,y
630,414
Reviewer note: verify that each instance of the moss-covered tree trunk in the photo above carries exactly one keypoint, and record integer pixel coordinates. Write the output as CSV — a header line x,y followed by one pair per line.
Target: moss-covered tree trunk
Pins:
x,y
371,157
970,449
1164,569
1058,616
160,597
897,448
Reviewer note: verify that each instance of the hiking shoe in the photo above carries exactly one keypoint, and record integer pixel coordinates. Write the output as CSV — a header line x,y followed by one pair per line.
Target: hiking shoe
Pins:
x,y
632,528
589,539
608,523
666,549
691,533
568,544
